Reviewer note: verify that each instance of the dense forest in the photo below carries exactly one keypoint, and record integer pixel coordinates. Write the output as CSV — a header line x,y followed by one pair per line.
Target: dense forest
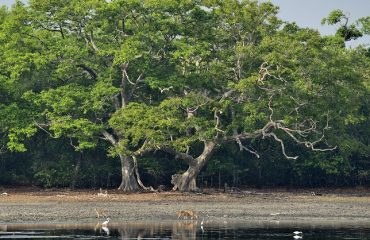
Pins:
x,y
189,94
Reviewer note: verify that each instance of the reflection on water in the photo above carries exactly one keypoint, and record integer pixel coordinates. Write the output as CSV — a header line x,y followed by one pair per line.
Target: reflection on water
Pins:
x,y
189,230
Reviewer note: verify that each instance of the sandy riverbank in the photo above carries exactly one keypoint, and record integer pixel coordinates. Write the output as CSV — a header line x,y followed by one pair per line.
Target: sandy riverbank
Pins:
x,y
254,205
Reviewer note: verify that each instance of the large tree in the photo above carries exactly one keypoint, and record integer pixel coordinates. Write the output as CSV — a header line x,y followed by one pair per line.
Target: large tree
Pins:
x,y
252,77
183,77
90,59
99,55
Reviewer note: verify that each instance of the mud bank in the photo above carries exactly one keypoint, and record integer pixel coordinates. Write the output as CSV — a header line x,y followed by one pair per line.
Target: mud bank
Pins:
x,y
72,206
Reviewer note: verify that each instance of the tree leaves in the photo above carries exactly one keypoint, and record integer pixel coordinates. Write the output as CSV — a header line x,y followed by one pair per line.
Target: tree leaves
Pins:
x,y
174,73
346,31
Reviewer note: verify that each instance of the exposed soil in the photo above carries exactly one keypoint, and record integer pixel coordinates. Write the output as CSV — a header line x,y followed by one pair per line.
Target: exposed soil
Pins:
x,y
34,205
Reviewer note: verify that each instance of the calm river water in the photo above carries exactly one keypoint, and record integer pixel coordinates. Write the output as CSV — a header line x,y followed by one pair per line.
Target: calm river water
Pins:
x,y
189,230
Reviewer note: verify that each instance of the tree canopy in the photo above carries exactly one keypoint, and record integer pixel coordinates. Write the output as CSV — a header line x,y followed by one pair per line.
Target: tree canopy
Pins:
x,y
185,80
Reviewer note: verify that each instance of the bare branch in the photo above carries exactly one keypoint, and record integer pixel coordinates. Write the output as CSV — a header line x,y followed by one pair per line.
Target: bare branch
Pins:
x,y
139,79
166,89
270,107
301,130
282,145
192,110
303,133
218,122
127,77
71,143
41,126
238,68
264,73
296,109
242,147
257,133
187,149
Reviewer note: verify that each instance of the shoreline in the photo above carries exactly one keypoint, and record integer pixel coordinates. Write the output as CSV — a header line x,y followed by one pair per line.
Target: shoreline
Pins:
x,y
250,206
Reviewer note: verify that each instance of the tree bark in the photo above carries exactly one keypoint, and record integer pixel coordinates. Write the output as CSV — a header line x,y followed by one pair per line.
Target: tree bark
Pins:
x,y
129,183
186,182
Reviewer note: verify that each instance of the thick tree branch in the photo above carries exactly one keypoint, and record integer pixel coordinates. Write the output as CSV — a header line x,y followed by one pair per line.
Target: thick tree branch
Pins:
x,y
237,137
178,155
209,148
109,137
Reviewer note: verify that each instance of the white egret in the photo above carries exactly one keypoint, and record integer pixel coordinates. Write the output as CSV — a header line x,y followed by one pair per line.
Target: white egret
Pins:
x,y
105,223
106,230
201,225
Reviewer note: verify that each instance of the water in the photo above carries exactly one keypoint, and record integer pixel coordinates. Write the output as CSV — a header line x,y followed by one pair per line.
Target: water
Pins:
x,y
189,230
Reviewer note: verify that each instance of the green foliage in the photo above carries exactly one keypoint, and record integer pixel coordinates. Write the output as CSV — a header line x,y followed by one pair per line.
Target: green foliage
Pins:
x,y
349,33
365,24
346,31
178,73
335,16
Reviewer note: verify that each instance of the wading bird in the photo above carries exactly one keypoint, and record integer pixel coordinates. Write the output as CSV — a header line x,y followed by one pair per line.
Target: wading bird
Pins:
x,y
105,223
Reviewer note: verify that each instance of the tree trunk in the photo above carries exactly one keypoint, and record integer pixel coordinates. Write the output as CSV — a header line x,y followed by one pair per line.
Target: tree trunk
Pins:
x,y
128,183
186,182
